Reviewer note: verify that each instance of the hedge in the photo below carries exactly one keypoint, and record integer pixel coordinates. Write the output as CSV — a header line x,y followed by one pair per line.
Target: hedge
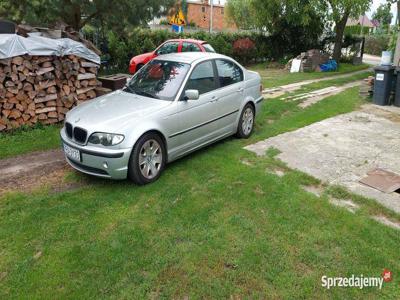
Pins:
x,y
375,44
121,49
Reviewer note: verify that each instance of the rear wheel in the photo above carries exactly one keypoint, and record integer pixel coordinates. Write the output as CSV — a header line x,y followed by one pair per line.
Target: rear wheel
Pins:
x,y
147,159
246,122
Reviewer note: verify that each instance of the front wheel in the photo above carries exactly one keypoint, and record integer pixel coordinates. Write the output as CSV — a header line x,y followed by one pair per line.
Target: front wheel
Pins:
x,y
246,122
147,159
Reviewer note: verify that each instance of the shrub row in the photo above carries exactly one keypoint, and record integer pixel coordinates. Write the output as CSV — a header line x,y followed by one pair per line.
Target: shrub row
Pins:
x,y
120,49
375,44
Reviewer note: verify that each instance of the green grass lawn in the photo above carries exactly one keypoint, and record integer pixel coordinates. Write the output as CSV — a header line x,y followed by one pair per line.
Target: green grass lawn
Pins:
x,y
216,225
277,77
30,139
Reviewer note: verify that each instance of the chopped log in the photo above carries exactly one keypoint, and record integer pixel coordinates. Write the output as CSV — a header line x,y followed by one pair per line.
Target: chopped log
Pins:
x,y
52,114
6,112
87,64
62,110
66,89
15,114
42,71
84,90
47,64
51,103
45,110
52,90
18,60
91,94
28,87
46,98
86,76
42,117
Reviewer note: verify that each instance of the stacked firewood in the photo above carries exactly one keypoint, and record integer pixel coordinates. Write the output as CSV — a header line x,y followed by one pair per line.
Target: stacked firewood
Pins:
x,y
43,88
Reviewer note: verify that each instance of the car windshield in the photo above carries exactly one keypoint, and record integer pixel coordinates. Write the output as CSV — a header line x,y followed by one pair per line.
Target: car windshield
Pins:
x,y
158,79
208,48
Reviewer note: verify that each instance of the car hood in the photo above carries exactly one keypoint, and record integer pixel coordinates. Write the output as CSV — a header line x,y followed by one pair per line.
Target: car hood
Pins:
x,y
114,111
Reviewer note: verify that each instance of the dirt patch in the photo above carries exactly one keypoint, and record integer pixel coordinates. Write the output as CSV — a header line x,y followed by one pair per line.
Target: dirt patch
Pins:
x,y
347,204
387,222
280,90
391,113
314,189
28,172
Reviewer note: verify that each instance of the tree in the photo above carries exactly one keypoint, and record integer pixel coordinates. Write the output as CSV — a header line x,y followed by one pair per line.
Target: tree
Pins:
x,y
383,14
339,12
78,13
241,13
293,25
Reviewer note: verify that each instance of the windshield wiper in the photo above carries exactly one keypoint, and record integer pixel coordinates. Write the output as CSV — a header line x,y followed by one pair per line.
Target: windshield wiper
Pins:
x,y
128,89
146,94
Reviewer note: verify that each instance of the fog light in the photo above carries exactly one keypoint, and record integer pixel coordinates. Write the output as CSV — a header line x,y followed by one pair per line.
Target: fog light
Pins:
x,y
105,165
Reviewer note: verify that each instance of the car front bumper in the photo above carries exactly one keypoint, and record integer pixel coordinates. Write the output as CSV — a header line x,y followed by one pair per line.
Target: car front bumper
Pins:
x,y
106,163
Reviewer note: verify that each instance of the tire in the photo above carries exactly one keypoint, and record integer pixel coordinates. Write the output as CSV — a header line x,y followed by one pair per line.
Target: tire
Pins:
x,y
143,168
246,122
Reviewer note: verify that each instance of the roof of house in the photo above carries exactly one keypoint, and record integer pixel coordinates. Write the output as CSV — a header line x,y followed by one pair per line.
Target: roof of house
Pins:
x,y
362,20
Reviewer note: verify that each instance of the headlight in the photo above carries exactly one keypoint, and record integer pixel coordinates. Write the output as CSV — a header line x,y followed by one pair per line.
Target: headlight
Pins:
x,y
106,139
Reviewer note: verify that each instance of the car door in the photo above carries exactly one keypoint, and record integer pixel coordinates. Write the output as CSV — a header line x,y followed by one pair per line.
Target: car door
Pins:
x,y
230,94
197,117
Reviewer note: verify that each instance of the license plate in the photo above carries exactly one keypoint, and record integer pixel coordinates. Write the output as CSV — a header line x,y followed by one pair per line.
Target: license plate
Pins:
x,y
72,153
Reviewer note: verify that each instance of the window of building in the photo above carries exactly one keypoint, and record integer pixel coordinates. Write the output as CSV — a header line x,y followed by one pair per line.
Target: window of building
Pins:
x,y
203,9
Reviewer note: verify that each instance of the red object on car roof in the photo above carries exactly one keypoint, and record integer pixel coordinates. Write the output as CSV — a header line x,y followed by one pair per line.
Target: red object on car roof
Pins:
x,y
170,46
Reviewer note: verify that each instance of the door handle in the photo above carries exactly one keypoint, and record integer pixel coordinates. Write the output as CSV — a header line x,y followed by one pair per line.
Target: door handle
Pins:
x,y
214,99
240,90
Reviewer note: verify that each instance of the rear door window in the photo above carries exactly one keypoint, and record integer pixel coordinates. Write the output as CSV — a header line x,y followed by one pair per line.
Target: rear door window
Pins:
x,y
190,47
228,72
208,48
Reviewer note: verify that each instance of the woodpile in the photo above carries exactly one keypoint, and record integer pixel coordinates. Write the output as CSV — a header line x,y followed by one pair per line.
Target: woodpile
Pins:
x,y
367,87
43,88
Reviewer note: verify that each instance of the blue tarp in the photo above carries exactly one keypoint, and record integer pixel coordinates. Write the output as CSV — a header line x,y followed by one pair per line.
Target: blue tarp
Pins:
x,y
331,65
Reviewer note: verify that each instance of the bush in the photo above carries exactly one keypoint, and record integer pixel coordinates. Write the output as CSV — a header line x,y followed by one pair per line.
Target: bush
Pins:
x,y
356,30
375,44
245,47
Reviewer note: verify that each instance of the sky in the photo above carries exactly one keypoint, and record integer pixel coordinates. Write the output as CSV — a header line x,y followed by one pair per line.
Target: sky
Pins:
x,y
376,3
374,6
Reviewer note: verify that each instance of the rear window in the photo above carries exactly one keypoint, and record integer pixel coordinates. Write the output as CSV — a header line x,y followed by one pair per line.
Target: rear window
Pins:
x,y
208,48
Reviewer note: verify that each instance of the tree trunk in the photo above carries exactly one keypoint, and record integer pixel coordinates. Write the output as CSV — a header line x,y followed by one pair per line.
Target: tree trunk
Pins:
x,y
339,32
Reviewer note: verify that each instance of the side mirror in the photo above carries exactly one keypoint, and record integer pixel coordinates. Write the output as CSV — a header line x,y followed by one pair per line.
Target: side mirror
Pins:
x,y
191,95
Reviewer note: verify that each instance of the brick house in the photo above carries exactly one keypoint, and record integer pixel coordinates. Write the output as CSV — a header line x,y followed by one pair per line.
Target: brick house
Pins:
x,y
198,12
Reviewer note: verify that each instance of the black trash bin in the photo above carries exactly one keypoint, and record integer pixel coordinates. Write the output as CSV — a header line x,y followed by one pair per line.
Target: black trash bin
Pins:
x,y
397,89
383,84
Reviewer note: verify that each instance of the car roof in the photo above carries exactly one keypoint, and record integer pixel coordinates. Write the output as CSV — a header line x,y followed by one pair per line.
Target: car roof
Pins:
x,y
190,57
187,40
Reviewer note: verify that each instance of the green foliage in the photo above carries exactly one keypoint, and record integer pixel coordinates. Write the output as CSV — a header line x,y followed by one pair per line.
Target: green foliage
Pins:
x,y
375,44
383,14
78,13
290,42
356,29
241,12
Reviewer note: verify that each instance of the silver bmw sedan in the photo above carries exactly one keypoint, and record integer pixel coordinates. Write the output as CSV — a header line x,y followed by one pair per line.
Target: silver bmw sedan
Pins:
x,y
175,104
